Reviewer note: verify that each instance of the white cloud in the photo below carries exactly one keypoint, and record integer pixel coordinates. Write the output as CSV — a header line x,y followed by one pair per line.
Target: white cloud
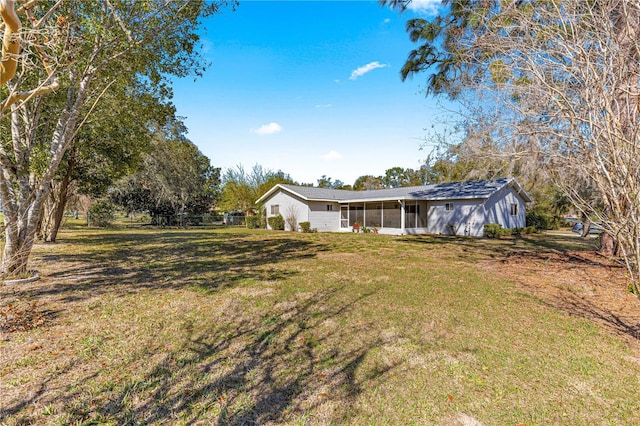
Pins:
x,y
359,72
332,155
386,21
324,106
429,7
267,129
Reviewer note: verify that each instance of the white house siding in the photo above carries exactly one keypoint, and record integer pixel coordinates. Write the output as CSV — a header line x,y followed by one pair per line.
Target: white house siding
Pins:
x,y
288,203
498,209
467,217
323,219
464,219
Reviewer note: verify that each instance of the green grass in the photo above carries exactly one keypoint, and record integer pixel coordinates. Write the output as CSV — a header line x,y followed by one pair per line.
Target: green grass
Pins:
x,y
252,327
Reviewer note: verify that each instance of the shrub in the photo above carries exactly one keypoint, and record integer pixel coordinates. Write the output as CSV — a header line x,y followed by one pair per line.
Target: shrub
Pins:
x,y
306,227
101,214
276,222
492,230
253,222
542,221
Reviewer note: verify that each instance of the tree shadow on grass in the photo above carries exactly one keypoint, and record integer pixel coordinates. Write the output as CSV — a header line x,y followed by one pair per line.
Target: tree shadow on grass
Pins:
x,y
627,326
532,246
273,366
567,257
128,263
281,366
595,290
287,367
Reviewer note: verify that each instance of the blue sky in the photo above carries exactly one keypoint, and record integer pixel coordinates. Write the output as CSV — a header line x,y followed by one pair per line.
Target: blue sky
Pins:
x,y
309,88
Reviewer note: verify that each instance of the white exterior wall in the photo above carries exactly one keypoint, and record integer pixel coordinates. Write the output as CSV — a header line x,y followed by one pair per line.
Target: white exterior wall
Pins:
x,y
287,203
497,209
465,218
322,219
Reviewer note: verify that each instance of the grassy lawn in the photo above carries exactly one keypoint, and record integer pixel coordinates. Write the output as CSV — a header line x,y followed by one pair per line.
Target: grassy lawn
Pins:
x,y
143,326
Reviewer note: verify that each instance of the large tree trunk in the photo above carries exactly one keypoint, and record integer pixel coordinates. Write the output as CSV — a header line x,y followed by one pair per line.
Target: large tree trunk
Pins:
x,y
608,245
60,203
21,226
24,194
586,226
19,239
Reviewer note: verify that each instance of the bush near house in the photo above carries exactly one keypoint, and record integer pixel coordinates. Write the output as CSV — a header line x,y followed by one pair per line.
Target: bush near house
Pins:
x,y
305,227
253,222
495,230
542,221
492,230
276,222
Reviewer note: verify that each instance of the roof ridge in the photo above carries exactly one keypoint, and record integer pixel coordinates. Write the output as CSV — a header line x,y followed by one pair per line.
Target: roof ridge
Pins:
x,y
470,189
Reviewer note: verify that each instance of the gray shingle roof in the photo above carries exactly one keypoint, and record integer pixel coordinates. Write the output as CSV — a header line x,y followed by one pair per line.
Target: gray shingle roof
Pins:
x,y
323,194
478,189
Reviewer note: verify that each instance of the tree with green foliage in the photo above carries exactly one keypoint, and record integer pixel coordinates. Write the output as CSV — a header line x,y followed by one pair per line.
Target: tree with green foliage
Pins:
x,y
394,177
107,147
76,52
367,183
241,189
327,182
174,179
557,82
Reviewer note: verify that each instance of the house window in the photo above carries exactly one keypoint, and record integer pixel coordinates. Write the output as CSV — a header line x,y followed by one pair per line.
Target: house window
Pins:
x,y
275,209
448,207
514,210
329,207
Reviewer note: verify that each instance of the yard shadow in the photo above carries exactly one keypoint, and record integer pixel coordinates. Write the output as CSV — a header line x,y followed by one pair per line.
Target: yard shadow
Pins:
x,y
563,272
127,263
270,369
626,326
534,245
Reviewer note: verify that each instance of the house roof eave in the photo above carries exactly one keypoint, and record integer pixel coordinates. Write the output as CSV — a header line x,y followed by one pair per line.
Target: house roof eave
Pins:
x,y
273,190
520,190
346,197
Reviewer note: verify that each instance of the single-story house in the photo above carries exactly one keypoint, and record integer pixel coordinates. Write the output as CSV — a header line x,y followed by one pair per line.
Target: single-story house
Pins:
x,y
456,208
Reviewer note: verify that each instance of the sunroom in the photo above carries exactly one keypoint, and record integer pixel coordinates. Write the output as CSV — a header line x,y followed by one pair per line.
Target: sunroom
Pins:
x,y
384,216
